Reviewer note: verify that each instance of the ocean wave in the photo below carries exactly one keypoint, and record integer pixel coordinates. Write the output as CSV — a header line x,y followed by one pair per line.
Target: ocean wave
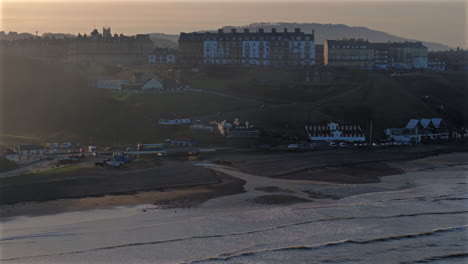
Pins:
x,y
223,257
456,256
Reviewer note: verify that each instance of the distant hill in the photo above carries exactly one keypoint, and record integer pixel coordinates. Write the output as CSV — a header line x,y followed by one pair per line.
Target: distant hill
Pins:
x,y
323,32
164,40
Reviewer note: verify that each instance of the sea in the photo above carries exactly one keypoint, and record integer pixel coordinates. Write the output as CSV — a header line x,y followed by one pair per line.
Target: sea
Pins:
x,y
420,216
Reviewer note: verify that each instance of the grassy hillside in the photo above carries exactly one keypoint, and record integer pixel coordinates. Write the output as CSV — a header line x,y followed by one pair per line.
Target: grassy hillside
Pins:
x,y
53,103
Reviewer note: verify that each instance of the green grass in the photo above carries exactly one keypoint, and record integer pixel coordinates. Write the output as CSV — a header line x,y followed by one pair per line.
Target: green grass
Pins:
x,y
122,96
10,140
212,85
82,114
6,165
56,174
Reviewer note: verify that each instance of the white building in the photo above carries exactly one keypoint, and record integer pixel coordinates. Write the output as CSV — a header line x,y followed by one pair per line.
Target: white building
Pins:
x,y
417,131
335,132
251,48
174,120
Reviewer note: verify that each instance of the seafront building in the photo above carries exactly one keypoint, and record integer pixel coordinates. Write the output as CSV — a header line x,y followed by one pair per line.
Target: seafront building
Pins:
x,y
348,53
247,48
361,53
419,130
449,60
101,48
335,132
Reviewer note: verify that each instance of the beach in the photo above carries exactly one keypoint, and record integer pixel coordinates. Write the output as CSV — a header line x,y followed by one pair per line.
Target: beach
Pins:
x,y
418,213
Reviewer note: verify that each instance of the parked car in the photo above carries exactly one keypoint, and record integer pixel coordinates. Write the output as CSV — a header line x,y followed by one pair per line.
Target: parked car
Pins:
x,y
294,147
108,149
343,144
114,163
332,144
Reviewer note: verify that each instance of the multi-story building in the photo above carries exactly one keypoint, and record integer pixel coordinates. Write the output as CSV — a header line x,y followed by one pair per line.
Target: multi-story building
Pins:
x,y
162,56
248,48
102,48
349,53
451,60
407,55
363,54
335,132
105,48
380,55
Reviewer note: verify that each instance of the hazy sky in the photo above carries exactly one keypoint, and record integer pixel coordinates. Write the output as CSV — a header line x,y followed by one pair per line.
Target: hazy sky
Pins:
x,y
442,21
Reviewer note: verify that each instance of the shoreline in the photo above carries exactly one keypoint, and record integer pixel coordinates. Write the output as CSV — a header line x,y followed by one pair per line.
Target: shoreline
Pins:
x,y
193,195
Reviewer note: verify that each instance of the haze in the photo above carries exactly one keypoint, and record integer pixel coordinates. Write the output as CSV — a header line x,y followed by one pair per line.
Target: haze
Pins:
x,y
423,20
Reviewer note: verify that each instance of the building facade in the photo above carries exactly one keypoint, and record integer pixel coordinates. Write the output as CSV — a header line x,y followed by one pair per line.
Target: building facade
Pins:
x,y
106,48
407,55
174,119
417,131
162,56
348,53
98,48
335,132
364,54
247,48
449,60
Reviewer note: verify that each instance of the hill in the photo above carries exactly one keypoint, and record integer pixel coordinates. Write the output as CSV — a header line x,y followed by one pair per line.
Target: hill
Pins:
x,y
55,103
322,33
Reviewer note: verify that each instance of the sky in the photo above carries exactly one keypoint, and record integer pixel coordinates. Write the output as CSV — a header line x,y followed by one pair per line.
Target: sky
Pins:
x,y
442,21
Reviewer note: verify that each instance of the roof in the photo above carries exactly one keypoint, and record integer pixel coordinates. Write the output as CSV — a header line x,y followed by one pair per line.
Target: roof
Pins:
x,y
425,122
196,36
412,123
437,122
360,42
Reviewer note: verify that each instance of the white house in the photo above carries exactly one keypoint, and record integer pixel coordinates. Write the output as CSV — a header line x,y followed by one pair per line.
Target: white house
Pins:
x,y
419,130
335,132
152,84
174,120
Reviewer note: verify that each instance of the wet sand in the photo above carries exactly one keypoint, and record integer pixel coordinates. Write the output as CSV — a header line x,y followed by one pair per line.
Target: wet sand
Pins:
x,y
413,216
177,184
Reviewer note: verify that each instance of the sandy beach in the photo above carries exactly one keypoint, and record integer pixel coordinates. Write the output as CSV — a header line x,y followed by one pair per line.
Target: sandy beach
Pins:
x,y
270,221
183,184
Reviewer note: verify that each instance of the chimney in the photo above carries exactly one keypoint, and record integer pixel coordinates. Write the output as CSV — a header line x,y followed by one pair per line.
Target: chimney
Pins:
x,y
273,30
297,30
246,30
220,31
285,30
260,30
233,30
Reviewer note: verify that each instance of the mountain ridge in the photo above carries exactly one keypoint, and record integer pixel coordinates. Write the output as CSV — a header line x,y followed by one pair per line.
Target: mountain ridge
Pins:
x,y
322,33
